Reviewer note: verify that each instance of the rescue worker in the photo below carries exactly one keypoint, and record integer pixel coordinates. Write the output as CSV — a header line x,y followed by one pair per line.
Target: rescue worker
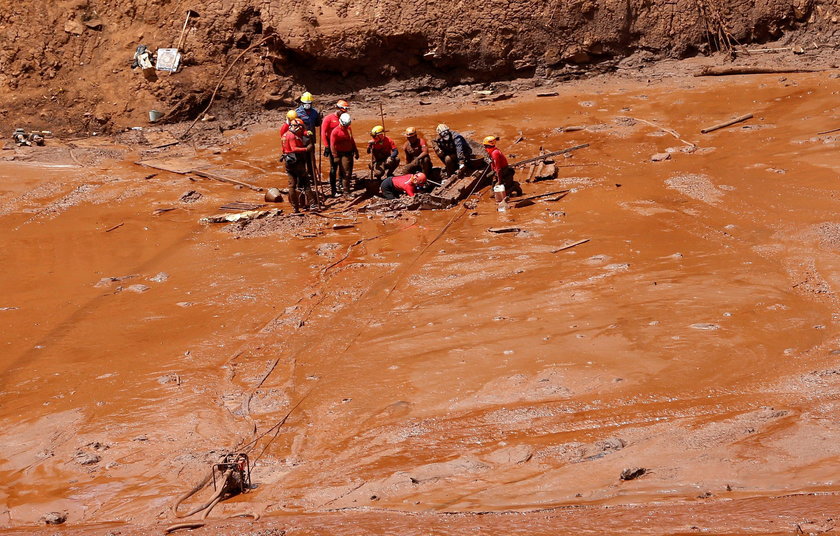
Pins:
x,y
416,153
454,151
309,115
343,150
291,115
503,173
393,187
384,156
329,123
296,155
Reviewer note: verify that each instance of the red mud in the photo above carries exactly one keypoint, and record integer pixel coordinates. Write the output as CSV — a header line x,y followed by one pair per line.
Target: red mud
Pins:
x,y
458,383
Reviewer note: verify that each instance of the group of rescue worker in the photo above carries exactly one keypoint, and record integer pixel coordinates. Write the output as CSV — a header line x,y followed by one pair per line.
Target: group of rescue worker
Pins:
x,y
298,134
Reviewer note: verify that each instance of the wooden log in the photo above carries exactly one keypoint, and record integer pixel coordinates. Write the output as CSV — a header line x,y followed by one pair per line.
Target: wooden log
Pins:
x,y
220,178
568,246
547,155
726,71
725,124
828,131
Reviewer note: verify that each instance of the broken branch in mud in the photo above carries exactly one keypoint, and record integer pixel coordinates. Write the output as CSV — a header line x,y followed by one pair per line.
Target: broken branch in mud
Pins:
x,y
569,246
672,132
725,71
548,155
117,226
221,79
538,196
220,178
828,131
726,123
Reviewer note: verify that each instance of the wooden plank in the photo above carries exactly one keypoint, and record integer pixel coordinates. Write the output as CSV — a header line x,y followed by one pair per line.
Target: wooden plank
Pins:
x,y
725,71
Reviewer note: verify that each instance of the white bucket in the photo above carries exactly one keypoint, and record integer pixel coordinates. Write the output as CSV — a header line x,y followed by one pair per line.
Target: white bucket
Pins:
x,y
154,116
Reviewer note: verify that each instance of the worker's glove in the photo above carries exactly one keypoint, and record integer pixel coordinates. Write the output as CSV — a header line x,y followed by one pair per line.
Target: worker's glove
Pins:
x,y
327,152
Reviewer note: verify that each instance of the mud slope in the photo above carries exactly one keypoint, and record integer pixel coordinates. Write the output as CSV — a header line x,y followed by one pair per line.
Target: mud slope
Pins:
x,y
65,65
442,378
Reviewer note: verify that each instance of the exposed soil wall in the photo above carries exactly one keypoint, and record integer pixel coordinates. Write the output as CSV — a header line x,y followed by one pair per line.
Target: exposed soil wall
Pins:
x,y
66,64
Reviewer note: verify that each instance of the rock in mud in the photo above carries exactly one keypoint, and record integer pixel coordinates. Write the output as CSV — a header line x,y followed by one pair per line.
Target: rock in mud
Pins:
x,y
632,473
86,458
139,289
659,157
190,197
54,518
160,278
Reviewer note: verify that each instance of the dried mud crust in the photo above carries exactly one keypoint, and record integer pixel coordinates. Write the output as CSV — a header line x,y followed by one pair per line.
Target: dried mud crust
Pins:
x,y
74,56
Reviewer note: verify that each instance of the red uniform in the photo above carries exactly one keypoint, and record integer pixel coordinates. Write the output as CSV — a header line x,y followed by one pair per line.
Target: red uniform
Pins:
x,y
382,147
415,148
330,122
284,128
292,143
341,140
403,182
499,162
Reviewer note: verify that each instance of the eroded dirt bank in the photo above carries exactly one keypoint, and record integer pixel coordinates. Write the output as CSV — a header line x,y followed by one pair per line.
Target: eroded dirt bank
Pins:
x,y
482,383
66,65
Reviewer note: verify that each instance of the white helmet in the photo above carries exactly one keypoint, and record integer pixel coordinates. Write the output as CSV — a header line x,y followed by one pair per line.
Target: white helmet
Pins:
x,y
344,119
441,128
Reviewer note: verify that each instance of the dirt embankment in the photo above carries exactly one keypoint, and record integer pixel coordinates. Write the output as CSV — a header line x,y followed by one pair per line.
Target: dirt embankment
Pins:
x,y
66,65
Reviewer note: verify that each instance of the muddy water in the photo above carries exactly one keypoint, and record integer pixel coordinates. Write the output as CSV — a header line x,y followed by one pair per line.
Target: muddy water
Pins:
x,y
694,335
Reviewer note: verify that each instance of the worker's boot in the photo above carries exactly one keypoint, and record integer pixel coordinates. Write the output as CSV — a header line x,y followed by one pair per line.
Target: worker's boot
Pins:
x,y
294,199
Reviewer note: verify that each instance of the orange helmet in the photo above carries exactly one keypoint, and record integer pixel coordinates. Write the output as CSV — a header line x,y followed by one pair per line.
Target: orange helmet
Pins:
x,y
342,105
296,125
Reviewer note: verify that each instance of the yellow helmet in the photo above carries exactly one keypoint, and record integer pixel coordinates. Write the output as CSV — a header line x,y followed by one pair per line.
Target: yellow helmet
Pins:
x,y
490,141
377,130
411,131
306,97
291,114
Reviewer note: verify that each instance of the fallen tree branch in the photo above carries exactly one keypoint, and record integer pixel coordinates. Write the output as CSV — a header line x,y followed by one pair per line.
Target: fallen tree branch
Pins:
x,y
547,155
221,79
569,246
726,123
672,132
558,192
726,71
828,131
